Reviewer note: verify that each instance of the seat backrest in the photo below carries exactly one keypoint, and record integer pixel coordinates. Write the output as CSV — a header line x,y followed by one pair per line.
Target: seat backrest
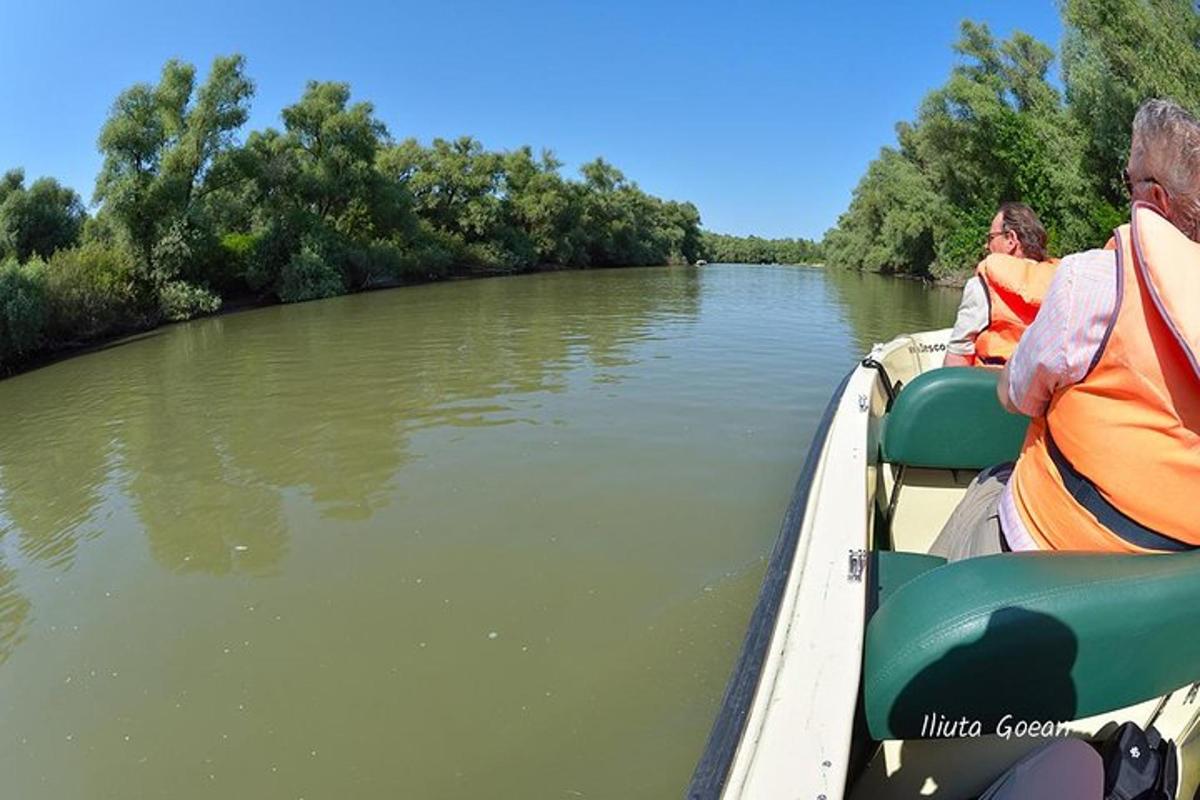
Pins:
x,y
1035,636
891,569
950,418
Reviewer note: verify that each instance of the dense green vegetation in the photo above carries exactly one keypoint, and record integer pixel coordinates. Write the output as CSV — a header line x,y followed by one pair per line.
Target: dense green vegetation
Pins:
x,y
189,214
999,130
725,249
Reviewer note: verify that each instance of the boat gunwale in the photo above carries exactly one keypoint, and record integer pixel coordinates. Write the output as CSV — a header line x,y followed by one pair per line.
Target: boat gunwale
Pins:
x,y
712,770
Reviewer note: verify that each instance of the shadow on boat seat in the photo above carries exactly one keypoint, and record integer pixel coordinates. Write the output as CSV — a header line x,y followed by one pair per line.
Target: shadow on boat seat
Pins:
x,y
1006,640
942,428
1030,637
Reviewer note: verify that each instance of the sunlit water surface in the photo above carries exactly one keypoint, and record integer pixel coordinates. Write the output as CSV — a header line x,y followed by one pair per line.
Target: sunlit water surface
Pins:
x,y
484,539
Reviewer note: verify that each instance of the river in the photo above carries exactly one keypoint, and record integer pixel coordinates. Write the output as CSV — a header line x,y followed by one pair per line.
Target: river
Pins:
x,y
496,538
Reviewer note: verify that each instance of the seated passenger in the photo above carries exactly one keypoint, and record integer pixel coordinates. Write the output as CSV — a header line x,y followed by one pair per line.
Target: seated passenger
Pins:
x,y
1110,372
1004,295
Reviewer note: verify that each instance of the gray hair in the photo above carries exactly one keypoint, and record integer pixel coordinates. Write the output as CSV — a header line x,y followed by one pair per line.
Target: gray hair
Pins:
x,y
1167,140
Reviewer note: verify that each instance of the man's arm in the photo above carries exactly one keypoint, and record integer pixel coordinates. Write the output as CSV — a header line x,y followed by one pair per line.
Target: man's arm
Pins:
x,y
971,319
955,360
1058,348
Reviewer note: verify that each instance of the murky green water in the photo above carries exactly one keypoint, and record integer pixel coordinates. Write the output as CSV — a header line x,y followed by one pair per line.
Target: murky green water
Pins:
x,y
487,539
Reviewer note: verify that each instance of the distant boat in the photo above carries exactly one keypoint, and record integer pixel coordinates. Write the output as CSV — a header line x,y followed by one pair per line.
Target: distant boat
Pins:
x,y
701,263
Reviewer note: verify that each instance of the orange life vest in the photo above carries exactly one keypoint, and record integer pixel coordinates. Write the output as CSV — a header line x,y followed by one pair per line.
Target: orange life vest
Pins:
x,y
1015,288
1115,463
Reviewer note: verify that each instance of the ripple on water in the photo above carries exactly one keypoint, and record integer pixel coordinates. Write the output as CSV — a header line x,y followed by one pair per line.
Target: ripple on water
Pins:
x,y
286,504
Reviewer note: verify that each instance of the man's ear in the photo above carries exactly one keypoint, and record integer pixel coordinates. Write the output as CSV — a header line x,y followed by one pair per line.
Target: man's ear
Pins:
x,y
1160,200
1012,241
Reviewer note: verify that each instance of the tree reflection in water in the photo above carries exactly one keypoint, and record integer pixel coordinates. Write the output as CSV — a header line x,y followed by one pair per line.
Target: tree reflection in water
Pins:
x,y
209,429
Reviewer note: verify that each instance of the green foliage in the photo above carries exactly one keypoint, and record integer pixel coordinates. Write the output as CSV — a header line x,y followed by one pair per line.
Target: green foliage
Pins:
x,y
308,277
180,300
999,130
1118,53
957,245
543,210
22,309
165,148
895,197
454,185
38,220
431,254
725,249
189,214
90,293
621,224
238,257
332,146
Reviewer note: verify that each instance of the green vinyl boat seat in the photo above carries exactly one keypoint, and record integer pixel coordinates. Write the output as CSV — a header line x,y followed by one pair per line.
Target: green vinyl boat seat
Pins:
x,y
1030,637
950,418
891,569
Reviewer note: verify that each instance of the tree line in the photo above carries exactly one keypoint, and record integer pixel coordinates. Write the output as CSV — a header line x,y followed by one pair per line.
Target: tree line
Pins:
x,y
722,248
1000,129
188,214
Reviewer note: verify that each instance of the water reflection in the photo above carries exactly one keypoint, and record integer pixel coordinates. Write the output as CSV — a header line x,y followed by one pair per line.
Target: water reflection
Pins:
x,y
485,512
52,470
880,308
208,428
14,613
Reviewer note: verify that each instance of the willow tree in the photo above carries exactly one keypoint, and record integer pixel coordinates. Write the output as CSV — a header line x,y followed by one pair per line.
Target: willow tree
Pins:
x,y
38,220
1117,54
165,147
997,130
319,203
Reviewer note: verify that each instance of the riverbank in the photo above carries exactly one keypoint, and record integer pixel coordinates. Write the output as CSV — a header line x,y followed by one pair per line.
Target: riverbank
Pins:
x,y
178,229
232,305
54,353
956,280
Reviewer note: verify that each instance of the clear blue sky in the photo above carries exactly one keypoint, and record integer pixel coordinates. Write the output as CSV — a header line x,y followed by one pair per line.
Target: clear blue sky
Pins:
x,y
762,114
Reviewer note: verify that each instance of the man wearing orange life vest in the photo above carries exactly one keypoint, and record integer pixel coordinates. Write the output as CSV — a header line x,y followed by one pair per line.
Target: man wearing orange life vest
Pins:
x,y
1110,372
1005,293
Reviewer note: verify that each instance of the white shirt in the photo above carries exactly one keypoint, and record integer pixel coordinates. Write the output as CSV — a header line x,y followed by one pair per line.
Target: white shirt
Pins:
x,y
971,320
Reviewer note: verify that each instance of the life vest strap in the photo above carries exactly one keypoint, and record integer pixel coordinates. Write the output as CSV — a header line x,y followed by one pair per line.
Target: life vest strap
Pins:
x,y
1108,515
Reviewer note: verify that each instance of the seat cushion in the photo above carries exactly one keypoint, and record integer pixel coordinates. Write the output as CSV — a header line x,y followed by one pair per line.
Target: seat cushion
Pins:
x,y
950,418
1036,636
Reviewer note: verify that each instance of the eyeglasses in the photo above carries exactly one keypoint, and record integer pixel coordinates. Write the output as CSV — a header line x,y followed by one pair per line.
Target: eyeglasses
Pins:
x,y
993,235
1130,182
